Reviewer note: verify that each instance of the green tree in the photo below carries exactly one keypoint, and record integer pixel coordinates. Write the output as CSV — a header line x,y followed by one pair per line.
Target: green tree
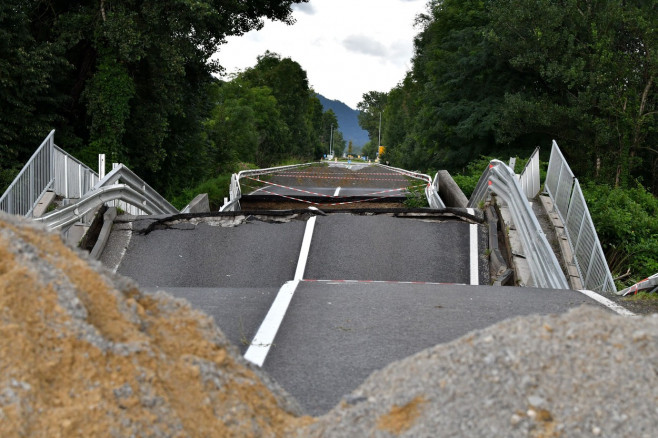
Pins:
x,y
370,110
289,85
29,71
339,143
129,77
245,125
588,73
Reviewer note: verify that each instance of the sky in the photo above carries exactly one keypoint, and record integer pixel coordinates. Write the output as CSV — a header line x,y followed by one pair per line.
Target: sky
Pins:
x,y
347,47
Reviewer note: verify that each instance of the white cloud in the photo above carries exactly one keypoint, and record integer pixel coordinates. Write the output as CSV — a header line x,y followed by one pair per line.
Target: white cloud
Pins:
x,y
308,8
347,47
363,44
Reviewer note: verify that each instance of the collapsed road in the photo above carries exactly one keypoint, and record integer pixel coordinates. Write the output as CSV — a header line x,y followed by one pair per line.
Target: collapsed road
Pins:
x,y
322,298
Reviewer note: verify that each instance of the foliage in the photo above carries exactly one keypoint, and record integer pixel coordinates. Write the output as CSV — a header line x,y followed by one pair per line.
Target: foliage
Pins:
x,y
626,221
267,114
416,197
468,178
217,189
126,78
370,108
500,77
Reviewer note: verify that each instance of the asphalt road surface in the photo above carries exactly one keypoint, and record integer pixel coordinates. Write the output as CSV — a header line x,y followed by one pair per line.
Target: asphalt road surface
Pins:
x,y
322,301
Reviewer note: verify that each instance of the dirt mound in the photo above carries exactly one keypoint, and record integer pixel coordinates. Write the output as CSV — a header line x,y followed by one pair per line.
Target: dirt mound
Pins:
x,y
84,353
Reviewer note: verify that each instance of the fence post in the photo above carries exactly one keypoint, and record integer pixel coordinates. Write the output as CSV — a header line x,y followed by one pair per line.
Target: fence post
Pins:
x,y
66,176
101,166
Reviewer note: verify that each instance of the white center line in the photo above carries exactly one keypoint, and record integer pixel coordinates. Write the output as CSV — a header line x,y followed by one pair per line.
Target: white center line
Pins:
x,y
473,234
264,338
337,191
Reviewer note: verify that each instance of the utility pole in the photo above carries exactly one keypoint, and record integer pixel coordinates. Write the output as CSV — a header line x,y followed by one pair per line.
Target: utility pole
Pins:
x,y
331,141
380,129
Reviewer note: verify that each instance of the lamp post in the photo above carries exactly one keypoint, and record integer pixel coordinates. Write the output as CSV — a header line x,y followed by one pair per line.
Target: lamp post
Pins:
x,y
380,129
331,140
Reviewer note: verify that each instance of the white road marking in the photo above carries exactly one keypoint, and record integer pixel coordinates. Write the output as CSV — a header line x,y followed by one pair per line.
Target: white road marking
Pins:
x,y
473,234
258,190
337,191
608,303
306,246
264,338
471,211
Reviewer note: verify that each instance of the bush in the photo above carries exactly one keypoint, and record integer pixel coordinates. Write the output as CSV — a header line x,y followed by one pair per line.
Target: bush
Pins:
x,y
626,221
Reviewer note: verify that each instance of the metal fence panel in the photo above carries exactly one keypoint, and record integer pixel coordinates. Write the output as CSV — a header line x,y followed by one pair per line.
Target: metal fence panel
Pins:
x,y
570,205
559,181
590,259
32,182
72,178
529,179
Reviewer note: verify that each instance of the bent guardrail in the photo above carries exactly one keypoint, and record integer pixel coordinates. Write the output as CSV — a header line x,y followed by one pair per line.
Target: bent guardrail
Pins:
x,y
153,199
235,192
544,267
431,189
67,216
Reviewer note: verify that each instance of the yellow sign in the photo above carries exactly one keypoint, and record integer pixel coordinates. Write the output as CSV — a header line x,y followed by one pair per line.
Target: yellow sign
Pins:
x,y
382,149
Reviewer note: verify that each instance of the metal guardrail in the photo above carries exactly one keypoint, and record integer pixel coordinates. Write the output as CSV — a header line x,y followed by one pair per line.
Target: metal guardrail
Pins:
x,y
529,179
235,191
564,189
431,189
544,267
151,199
64,218
32,182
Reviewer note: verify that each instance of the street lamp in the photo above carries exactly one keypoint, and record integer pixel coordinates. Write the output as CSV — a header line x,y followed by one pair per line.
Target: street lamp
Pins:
x,y
331,140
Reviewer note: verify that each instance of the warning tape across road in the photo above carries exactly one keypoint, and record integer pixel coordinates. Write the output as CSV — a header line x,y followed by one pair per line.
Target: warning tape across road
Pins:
x,y
327,204
340,177
318,194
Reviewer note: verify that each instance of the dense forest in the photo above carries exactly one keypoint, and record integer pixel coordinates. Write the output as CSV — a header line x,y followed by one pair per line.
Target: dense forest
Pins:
x,y
497,78
135,80
504,76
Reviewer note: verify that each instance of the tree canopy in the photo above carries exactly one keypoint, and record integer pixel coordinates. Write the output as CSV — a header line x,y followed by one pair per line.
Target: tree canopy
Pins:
x,y
508,75
127,78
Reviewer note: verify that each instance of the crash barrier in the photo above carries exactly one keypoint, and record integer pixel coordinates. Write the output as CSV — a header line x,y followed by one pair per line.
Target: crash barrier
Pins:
x,y
152,202
564,189
648,285
235,191
119,185
449,192
431,189
545,270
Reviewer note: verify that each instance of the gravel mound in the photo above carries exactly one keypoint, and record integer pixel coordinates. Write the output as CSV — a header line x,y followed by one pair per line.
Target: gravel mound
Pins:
x,y
584,373
84,353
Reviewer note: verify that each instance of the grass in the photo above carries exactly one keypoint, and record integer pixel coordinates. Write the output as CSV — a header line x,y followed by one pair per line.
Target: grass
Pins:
x,y
643,296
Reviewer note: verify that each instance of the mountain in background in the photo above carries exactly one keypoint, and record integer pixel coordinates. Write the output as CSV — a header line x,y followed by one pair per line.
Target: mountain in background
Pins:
x,y
348,121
